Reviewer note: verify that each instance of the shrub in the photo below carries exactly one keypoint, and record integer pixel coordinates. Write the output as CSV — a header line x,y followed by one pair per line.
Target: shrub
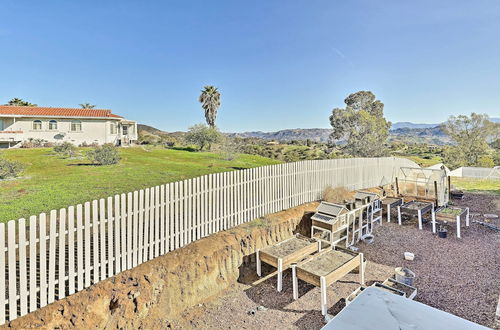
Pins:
x,y
106,154
66,149
204,136
36,143
335,195
10,169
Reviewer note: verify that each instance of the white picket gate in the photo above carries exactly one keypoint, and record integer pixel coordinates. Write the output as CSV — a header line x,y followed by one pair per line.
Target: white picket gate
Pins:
x,y
52,256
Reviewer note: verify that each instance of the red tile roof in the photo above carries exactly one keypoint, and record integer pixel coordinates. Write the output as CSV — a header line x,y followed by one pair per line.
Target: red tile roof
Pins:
x,y
56,112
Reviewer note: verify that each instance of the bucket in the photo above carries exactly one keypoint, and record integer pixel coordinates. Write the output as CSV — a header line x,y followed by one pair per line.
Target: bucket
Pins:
x,y
442,233
405,276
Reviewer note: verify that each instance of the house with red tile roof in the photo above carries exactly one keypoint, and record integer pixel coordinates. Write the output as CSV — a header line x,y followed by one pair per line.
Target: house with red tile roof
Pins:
x,y
57,125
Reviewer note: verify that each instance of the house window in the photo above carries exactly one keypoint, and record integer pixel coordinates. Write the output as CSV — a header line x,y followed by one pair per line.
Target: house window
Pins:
x,y
2,126
76,126
112,128
37,125
52,125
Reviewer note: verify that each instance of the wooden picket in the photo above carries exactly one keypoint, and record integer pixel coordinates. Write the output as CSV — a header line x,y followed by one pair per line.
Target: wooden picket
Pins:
x,y
94,241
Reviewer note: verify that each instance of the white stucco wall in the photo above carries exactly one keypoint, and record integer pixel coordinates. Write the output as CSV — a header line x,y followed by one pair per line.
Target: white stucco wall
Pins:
x,y
93,130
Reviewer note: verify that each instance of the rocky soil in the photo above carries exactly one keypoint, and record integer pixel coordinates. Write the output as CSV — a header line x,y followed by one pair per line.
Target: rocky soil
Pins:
x,y
459,276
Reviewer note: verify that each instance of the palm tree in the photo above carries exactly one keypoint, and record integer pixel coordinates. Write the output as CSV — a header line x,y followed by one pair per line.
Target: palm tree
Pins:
x,y
87,106
210,102
20,103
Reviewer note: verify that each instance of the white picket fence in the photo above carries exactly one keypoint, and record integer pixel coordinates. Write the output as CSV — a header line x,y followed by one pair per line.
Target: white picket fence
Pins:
x,y
52,256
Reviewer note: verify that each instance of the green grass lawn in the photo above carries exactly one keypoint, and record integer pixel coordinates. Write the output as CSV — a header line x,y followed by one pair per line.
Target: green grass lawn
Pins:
x,y
476,185
424,162
50,182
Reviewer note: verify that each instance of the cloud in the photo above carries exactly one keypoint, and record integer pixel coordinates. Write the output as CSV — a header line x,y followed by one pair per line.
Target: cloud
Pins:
x,y
343,56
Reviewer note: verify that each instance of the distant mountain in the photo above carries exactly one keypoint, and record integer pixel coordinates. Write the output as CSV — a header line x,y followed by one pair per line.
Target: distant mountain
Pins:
x,y
400,131
407,124
314,134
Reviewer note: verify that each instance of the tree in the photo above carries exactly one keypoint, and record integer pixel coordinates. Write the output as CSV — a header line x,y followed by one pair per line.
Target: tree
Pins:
x,y
20,103
203,136
210,102
87,105
470,135
360,128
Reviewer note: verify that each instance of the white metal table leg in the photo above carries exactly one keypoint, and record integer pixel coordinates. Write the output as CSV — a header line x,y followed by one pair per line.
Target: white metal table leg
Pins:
x,y
361,270
259,271
433,222
280,274
419,219
324,307
458,226
467,217
388,212
294,282
399,215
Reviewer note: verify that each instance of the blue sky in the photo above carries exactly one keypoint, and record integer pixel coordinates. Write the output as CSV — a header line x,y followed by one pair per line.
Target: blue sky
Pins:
x,y
279,64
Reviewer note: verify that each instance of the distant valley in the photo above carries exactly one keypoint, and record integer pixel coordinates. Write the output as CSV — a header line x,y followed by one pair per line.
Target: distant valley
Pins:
x,y
400,131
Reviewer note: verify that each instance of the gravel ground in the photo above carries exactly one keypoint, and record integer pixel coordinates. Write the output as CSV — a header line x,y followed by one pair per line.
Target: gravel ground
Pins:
x,y
457,276
280,311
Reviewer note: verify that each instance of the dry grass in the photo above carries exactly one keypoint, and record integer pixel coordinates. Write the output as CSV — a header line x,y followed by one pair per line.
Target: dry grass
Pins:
x,y
336,195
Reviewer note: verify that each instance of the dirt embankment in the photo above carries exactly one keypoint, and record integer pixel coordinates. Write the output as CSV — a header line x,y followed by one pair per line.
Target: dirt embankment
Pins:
x,y
152,294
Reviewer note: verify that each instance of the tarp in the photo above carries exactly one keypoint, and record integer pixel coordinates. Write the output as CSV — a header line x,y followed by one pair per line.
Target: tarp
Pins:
x,y
376,309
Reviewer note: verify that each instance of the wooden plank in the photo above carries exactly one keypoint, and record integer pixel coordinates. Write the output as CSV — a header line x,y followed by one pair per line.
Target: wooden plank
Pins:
x,y
79,247
124,228
23,274
135,228
130,229
340,272
52,256
87,215
167,218
11,255
197,208
3,273
95,240
110,241
180,201
217,202
71,250
117,235
162,219
33,268
102,232
157,222
140,236
175,218
201,206
170,213
146,225
62,255
152,211
171,219
189,206
43,260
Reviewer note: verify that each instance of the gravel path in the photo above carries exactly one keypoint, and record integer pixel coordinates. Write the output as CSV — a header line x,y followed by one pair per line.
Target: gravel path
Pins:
x,y
457,276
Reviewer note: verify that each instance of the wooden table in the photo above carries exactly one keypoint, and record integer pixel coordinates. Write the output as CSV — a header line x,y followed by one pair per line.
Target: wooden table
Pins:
x,y
285,253
390,202
325,268
457,215
415,208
